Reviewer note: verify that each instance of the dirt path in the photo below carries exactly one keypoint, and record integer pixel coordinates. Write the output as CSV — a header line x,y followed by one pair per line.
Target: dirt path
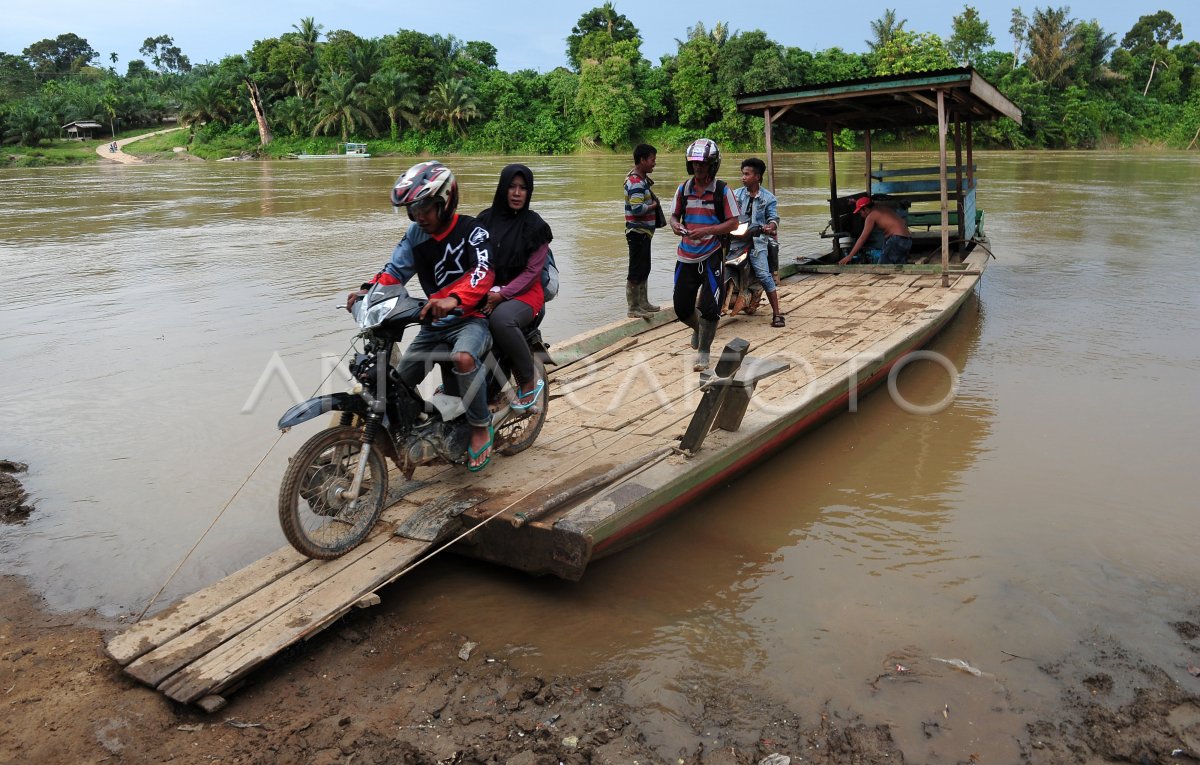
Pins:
x,y
128,159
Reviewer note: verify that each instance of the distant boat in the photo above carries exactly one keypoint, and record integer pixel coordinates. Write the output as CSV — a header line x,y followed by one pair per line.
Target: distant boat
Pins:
x,y
350,150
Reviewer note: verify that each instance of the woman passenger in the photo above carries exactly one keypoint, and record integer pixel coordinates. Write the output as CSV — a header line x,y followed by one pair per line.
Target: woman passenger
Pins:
x,y
520,241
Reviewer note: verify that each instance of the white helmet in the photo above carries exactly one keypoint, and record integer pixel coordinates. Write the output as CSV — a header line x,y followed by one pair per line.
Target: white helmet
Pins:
x,y
703,150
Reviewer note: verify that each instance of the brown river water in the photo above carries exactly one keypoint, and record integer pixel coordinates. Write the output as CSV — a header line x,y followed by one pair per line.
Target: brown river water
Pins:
x,y
142,309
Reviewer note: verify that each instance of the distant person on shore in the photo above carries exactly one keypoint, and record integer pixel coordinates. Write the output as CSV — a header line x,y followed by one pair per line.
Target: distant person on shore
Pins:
x,y
897,239
758,208
705,212
643,214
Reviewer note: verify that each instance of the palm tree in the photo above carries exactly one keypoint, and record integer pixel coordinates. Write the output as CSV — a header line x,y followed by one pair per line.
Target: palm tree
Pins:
x,y
451,103
340,106
309,31
28,125
1053,45
294,113
396,93
208,100
884,28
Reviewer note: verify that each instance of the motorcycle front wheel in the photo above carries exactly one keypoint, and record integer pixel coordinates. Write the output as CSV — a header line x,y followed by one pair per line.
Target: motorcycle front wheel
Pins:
x,y
316,517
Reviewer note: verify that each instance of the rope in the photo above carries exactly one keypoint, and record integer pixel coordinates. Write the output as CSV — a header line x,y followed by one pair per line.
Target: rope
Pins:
x,y
231,499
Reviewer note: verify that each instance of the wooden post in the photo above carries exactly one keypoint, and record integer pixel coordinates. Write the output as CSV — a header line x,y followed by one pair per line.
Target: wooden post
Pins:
x,y
770,149
958,184
970,154
867,141
941,106
714,395
833,213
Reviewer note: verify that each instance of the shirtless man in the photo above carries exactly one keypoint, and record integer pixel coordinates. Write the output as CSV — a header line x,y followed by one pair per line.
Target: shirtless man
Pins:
x,y
897,239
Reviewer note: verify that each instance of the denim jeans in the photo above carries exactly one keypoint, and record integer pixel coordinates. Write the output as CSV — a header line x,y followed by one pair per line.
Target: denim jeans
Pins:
x,y
896,249
434,345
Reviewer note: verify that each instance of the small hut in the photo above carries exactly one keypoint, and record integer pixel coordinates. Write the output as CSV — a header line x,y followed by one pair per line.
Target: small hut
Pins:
x,y
81,130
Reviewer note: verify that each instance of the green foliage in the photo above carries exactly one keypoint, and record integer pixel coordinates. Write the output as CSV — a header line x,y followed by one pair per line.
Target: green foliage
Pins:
x,y
28,126
64,54
165,54
911,52
969,38
596,35
883,29
435,94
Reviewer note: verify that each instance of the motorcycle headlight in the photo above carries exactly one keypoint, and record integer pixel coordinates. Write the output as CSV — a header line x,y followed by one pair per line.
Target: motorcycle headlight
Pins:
x,y
373,315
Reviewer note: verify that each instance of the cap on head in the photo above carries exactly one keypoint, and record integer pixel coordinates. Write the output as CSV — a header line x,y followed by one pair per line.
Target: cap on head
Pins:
x,y
860,203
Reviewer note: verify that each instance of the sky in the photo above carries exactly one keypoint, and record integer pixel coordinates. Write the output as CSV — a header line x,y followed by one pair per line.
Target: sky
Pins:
x,y
528,34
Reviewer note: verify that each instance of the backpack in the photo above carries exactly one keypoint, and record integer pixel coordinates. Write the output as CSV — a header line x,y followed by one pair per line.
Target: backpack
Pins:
x,y
718,199
549,277
718,208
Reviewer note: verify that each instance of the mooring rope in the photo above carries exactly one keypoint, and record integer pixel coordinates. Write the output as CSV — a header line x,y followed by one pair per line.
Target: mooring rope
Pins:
x,y
234,496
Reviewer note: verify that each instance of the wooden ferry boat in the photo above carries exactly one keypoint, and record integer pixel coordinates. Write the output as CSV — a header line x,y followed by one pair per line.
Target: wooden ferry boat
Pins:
x,y
633,434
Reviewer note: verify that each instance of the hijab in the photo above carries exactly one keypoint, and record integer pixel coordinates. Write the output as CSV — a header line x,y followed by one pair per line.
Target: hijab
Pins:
x,y
514,234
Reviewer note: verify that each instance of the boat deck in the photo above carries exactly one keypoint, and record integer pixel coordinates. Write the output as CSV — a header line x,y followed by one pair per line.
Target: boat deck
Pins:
x,y
622,395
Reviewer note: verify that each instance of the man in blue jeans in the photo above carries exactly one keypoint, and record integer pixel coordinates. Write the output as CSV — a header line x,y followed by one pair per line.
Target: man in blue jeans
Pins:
x,y
450,256
758,208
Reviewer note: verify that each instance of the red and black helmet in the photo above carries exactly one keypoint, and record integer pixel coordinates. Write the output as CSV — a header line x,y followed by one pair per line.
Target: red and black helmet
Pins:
x,y
427,182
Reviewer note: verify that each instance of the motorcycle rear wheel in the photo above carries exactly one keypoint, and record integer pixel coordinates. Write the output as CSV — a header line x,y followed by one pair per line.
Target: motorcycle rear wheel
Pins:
x,y
517,435
316,520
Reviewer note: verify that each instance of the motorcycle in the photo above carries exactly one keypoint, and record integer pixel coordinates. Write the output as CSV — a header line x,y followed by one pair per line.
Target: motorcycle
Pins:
x,y
742,291
335,486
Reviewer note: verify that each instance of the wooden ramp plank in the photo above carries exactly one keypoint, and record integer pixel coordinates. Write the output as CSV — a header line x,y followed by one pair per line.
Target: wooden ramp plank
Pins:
x,y
156,665
308,614
146,635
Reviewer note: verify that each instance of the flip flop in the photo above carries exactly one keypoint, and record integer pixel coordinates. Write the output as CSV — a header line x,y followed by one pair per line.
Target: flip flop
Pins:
x,y
777,320
473,455
536,393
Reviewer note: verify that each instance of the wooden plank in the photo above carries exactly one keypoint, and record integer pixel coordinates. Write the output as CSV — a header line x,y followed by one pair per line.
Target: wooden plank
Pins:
x,y
302,617
153,667
904,171
148,634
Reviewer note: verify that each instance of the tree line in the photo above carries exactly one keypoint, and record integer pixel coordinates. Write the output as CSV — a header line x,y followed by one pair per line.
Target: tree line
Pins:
x,y
1077,84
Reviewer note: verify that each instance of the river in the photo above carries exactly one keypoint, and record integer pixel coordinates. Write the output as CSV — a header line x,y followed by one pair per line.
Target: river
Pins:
x,y
155,321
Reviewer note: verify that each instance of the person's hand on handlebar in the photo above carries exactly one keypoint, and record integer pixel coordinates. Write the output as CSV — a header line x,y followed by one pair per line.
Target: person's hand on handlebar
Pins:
x,y
353,298
437,309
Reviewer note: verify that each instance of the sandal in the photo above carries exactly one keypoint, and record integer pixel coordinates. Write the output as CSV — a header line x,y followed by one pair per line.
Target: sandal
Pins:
x,y
536,393
777,320
484,453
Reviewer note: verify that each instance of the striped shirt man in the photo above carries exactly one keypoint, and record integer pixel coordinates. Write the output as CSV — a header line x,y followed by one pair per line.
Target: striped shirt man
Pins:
x,y
700,209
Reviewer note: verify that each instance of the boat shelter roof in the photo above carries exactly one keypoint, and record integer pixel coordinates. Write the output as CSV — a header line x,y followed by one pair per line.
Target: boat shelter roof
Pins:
x,y
889,101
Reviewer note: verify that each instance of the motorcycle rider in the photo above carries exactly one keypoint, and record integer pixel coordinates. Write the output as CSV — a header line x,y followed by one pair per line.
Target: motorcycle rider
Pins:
x,y
759,208
705,212
450,256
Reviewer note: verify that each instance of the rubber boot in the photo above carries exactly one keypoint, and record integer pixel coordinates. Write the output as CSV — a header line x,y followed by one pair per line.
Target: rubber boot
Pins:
x,y
635,308
644,299
708,332
695,341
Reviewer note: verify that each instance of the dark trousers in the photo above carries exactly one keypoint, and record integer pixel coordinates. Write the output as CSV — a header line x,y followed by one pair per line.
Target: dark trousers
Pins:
x,y
896,249
508,322
704,278
639,256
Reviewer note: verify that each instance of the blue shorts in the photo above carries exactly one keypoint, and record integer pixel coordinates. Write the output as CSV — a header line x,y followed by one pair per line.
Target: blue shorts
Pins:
x,y
896,249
